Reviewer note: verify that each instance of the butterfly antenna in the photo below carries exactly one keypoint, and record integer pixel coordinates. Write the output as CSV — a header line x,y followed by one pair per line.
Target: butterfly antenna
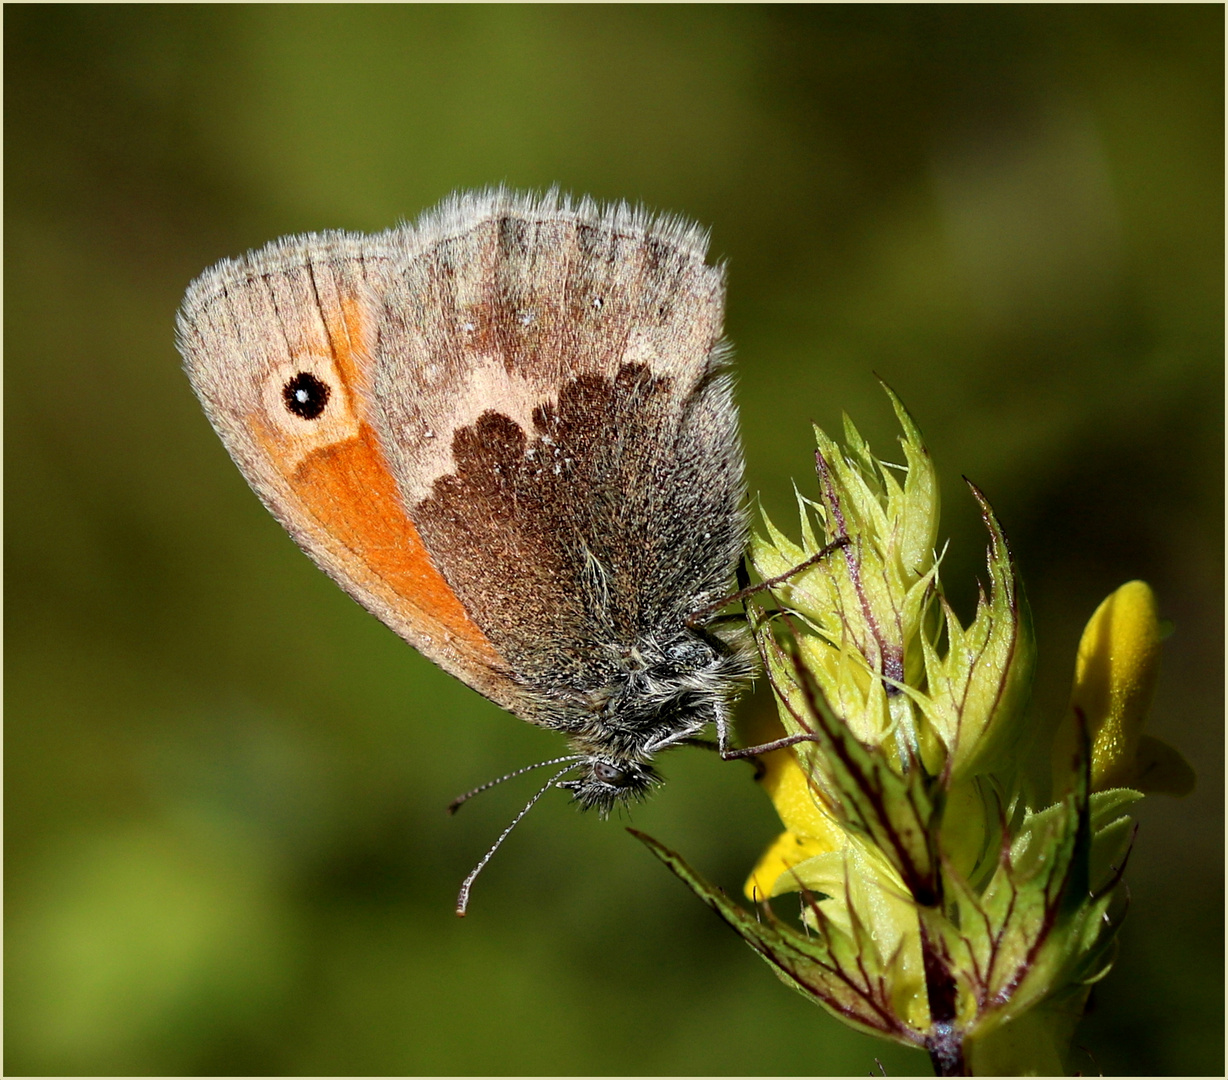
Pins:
x,y
462,900
460,800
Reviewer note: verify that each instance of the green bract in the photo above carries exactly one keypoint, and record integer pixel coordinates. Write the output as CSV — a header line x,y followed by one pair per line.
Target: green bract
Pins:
x,y
941,910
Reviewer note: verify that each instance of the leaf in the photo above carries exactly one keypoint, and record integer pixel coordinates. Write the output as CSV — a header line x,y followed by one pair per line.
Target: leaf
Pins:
x,y
978,690
833,966
920,502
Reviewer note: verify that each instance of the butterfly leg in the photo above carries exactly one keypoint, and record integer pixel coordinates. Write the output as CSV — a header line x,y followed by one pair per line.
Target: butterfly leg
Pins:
x,y
731,753
704,614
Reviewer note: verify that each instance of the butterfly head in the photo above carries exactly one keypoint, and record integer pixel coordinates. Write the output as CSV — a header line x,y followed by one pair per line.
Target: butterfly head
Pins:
x,y
605,781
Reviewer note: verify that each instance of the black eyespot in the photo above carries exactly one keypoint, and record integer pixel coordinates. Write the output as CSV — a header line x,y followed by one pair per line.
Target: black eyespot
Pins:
x,y
305,395
609,774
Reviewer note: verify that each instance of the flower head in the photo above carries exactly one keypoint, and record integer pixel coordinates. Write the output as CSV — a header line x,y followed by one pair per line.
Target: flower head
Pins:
x,y
940,908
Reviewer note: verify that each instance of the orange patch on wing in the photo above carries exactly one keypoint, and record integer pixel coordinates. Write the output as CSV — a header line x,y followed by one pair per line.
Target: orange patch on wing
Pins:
x,y
350,490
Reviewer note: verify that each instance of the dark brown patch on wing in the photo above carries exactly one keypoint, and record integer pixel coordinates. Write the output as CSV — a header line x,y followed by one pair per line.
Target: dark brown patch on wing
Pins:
x,y
616,516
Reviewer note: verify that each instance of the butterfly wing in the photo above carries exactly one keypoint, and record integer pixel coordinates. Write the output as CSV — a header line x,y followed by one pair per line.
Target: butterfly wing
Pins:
x,y
552,394
279,347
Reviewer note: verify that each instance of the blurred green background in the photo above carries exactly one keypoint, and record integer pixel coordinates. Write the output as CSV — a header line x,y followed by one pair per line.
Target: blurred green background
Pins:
x,y
225,838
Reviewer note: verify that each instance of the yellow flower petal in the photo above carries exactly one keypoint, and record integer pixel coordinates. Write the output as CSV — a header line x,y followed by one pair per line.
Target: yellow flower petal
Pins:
x,y
785,852
789,790
808,830
1115,678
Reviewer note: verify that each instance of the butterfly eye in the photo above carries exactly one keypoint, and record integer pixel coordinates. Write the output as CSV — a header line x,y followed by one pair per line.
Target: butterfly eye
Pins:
x,y
305,395
609,774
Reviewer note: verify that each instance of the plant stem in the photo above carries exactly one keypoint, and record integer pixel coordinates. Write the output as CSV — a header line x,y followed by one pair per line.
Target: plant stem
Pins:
x,y
945,1042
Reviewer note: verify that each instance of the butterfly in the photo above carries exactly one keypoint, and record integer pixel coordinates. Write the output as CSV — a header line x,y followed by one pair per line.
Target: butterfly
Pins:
x,y
509,432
